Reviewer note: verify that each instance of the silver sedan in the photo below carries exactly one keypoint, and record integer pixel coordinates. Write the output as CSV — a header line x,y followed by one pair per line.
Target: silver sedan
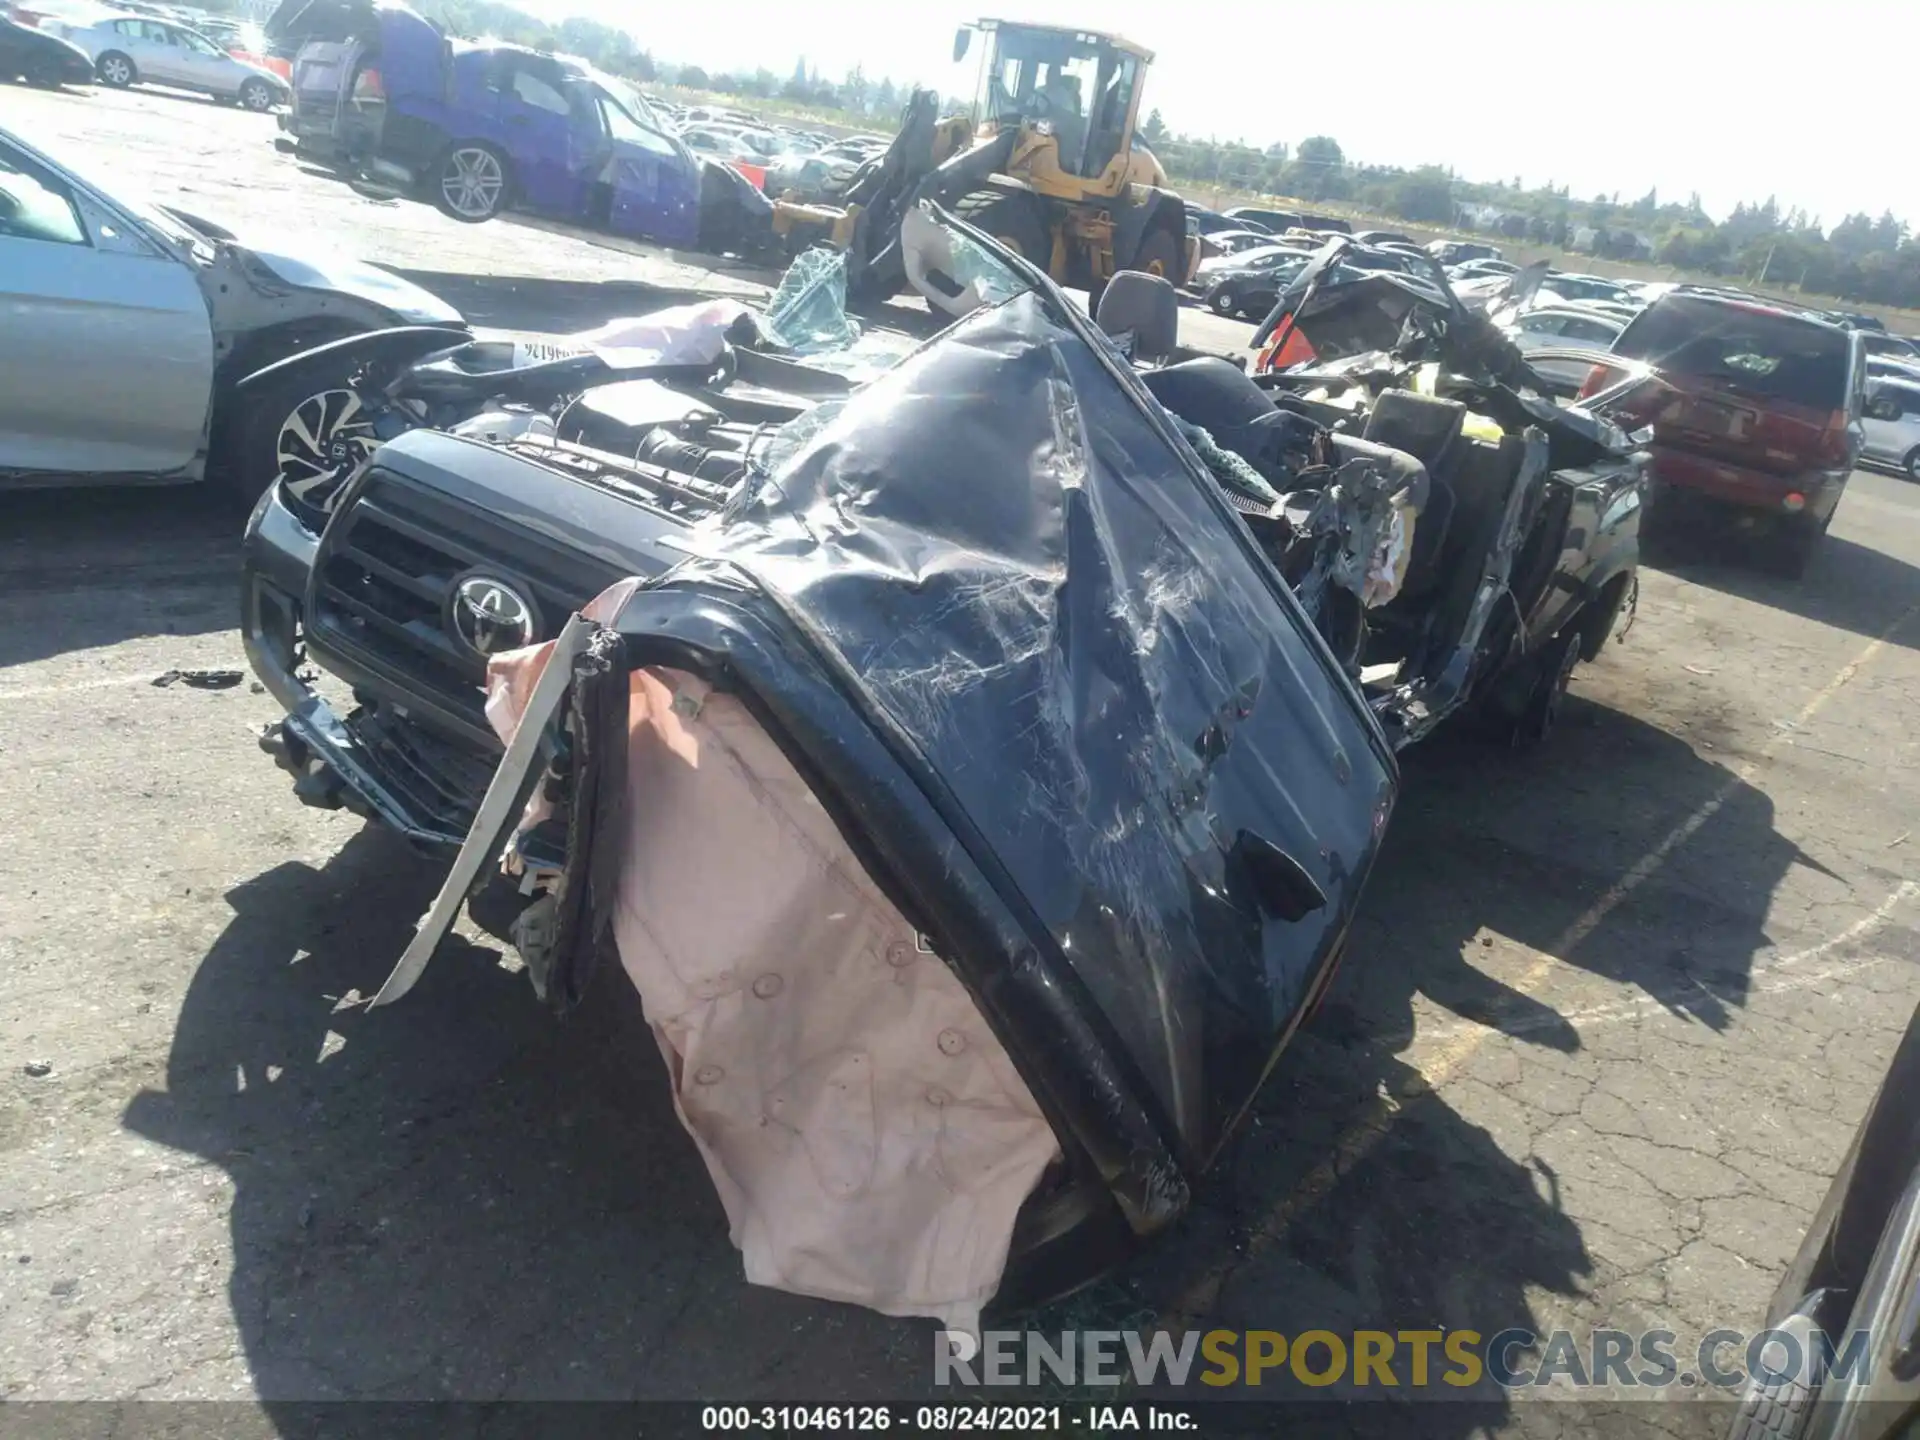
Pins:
x,y
128,49
1565,328
128,326
1892,425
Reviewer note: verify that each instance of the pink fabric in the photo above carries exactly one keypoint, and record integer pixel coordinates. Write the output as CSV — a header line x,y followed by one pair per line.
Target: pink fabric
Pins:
x,y
869,1137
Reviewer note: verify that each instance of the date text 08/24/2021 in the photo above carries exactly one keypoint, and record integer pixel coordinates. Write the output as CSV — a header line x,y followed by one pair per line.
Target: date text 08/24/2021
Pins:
x,y
946,1419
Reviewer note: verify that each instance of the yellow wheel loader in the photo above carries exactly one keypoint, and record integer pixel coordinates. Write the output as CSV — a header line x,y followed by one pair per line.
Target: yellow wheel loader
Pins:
x,y
1047,164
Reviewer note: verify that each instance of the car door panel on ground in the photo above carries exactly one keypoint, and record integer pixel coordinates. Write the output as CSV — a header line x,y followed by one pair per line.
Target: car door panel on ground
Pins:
x,y
119,367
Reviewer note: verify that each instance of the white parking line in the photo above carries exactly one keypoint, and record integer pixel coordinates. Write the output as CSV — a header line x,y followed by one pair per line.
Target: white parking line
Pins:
x,y
1760,981
72,687
1437,1067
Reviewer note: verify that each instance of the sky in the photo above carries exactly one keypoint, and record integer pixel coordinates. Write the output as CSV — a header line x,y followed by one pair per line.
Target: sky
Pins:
x,y
1735,101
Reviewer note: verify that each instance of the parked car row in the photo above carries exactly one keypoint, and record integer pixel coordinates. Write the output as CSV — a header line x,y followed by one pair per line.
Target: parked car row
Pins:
x,y
134,44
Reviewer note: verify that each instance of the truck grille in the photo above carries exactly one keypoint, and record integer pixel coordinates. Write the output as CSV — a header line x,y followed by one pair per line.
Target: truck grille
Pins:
x,y
386,575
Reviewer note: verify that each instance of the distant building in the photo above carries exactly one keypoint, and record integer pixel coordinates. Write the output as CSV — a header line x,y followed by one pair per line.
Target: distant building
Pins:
x,y
1484,217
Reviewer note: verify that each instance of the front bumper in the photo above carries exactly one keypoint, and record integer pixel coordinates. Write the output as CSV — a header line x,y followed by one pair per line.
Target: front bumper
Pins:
x,y
372,760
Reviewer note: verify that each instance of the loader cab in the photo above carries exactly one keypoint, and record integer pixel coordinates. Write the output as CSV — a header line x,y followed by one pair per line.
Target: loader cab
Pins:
x,y
1080,86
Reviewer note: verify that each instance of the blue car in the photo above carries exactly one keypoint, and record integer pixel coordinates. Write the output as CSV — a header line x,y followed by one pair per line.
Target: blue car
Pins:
x,y
479,129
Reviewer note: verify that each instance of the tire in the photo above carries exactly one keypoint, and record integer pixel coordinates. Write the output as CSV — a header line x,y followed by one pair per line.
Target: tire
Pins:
x,y
257,96
1160,253
1912,464
116,70
1223,302
1553,669
1797,544
1603,618
471,181
1013,220
301,428
42,76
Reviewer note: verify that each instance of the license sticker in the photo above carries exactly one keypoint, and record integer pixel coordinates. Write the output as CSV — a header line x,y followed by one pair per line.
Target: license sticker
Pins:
x,y
539,352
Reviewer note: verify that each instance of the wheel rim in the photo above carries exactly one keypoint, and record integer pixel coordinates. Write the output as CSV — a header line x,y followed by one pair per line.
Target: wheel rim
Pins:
x,y
324,436
1913,466
1223,303
472,182
1157,266
118,72
256,97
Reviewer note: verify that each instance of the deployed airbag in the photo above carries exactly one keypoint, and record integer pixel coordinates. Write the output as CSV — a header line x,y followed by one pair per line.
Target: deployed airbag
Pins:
x,y
869,1137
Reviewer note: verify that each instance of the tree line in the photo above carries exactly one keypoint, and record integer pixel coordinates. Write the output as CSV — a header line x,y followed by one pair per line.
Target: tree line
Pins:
x,y
1861,258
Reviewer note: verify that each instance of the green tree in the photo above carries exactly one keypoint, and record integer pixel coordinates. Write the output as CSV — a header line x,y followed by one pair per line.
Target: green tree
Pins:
x,y
693,77
1424,197
854,90
1318,170
1154,131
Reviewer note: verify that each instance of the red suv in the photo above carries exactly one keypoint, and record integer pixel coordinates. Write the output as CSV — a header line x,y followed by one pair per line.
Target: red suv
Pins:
x,y
1753,406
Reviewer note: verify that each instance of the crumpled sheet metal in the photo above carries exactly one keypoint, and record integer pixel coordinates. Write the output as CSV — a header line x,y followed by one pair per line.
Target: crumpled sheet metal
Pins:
x,y
1041,592
868,1135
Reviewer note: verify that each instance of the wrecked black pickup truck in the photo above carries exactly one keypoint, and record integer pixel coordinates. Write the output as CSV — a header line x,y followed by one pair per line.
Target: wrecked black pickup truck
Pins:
x,y
954,758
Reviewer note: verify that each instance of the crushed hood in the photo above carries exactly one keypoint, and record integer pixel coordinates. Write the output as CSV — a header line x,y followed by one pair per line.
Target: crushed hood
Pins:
x,y
1035,584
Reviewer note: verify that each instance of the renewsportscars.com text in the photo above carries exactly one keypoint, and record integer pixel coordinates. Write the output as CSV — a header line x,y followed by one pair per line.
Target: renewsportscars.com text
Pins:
x,y
1438,1360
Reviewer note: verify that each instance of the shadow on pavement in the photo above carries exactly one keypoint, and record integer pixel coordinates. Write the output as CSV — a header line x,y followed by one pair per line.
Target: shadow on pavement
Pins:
x,y
83,568
1357,1198
1530,849
458,1196
1850,586
461,1198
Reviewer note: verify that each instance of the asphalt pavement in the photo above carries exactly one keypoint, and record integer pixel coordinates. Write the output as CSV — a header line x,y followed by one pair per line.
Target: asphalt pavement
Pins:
x,y
1603,1033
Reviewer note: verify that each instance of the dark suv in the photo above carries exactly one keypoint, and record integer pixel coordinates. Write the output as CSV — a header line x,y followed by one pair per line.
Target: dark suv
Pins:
x,y
1755,409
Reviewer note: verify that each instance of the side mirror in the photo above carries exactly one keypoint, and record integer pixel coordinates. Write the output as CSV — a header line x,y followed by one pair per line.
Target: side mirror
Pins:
x,y
962,38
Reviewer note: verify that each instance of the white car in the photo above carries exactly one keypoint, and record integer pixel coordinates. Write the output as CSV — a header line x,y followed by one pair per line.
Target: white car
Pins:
x,y
1560,285
723,142
1481,269
1553,327
133,49
1892,425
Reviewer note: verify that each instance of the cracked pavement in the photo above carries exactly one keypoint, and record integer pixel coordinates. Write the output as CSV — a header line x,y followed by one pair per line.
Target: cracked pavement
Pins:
x,y
1604,1030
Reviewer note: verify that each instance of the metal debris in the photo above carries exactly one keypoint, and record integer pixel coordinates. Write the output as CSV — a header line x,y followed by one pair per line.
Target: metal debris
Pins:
x,y
200,679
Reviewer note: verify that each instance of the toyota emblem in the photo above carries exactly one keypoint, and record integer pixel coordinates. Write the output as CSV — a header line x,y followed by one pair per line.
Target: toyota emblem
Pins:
x,y
490,617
